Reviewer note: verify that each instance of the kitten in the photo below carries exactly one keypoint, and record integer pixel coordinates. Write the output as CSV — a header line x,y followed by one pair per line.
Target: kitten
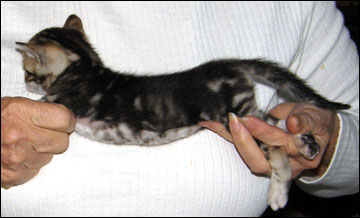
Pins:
x,y
121,108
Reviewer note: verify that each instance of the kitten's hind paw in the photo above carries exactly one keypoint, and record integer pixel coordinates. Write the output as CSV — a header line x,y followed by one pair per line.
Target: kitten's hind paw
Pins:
x,y
308,146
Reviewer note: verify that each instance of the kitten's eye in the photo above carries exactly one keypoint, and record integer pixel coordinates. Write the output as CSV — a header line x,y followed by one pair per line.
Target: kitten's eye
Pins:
x,y
33,76
30,74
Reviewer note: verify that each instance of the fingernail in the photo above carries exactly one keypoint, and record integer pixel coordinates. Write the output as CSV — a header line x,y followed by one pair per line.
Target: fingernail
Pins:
x,y
247,122
234,123
243,119
232,116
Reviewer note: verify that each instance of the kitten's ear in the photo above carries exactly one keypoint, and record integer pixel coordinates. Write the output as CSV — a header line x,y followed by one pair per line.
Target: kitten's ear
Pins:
x,y
35,51
74,22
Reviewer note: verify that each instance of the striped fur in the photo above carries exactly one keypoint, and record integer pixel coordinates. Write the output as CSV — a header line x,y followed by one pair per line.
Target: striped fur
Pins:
x,y
121,108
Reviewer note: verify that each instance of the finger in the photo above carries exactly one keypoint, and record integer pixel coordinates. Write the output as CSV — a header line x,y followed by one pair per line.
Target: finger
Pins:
x,y
47,141
22,155
32,160
266,133
300,118
10,178
12,156
306,121
247,147
282,111
218,128
52,116
270,135
37,161
10,133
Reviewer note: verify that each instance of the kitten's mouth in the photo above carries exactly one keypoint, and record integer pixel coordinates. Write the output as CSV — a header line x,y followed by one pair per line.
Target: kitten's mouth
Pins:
x,y
35,88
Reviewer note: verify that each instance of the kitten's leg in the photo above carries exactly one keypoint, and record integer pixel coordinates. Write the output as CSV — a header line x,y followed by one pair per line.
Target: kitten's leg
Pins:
x,y
280,167
280,170
280,176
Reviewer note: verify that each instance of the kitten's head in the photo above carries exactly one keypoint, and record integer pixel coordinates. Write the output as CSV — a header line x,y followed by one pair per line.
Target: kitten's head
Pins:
x,y
50,52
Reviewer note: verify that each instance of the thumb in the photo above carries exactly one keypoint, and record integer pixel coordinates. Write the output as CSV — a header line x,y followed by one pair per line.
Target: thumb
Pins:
x,y
301,123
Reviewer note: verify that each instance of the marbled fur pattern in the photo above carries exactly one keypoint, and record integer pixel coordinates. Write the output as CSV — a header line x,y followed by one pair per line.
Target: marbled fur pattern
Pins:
x,y
120,108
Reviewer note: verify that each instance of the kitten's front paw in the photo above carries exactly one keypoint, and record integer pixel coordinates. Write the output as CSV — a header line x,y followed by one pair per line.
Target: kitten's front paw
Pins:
x,y
277,197
308,146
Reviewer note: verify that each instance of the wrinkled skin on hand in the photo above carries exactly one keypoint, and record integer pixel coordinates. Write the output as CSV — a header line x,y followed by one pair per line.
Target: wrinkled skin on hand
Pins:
x,y
31,133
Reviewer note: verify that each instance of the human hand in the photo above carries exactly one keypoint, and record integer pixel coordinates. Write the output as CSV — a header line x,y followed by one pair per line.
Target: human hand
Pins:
x,y
300,118
31,133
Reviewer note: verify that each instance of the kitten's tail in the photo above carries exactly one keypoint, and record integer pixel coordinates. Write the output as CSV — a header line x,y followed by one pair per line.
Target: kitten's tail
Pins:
x,y
289,86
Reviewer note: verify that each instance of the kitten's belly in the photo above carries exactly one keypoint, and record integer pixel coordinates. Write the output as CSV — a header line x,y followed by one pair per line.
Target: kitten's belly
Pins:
x,y
123,134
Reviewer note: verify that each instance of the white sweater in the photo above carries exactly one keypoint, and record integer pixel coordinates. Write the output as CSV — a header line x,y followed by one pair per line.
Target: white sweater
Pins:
x,y
202,175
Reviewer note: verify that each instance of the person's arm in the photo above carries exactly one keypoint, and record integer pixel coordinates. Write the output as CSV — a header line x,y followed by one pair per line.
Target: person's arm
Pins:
x,y
328,59
31,133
